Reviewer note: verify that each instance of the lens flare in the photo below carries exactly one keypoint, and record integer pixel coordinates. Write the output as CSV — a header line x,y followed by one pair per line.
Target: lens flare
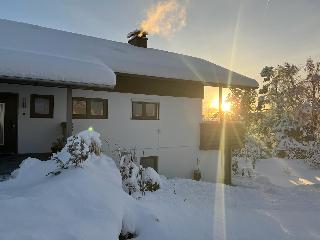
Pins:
x,y
226,106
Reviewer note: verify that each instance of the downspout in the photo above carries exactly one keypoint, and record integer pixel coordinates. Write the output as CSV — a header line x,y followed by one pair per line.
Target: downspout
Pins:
x,y
220,105
69,112
225,150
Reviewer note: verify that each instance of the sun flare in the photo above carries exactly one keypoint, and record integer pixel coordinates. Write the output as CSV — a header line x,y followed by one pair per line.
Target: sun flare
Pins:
x,y
226,106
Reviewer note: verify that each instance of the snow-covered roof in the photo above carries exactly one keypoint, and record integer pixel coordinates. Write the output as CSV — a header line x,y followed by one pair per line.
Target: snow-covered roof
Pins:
x,y
32,66
43,53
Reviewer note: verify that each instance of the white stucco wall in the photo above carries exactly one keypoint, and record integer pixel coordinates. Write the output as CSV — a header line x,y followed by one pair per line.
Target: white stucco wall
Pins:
x,y
174,138
35,135
209,165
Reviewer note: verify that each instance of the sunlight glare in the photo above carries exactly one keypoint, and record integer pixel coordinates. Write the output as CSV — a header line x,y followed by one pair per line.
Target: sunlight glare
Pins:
x,y
226,106
304,181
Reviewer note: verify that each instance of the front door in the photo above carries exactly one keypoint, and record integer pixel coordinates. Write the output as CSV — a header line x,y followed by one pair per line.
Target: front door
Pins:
x,y
8,123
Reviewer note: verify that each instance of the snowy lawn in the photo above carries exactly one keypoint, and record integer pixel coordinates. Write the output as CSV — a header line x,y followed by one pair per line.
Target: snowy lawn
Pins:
x,y
88,203
253,209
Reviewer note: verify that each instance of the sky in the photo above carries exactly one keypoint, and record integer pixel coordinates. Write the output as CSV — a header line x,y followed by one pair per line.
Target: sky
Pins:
x,y
242,35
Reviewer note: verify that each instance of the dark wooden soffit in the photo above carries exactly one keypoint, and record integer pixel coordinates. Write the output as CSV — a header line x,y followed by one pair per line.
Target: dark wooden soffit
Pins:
x,y
126,83
138,84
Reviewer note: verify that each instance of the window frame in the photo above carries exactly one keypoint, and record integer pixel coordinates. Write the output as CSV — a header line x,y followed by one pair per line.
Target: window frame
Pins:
x,y
88,114
144,111
33,114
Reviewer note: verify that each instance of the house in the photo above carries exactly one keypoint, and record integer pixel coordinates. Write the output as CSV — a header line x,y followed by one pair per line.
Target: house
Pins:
x,y
136,97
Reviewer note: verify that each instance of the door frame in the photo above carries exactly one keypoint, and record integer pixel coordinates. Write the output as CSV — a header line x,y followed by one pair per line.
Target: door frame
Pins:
x,y
16,95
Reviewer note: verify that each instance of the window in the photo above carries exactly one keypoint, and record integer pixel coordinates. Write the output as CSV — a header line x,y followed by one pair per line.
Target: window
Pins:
x,y
89,108
79,107
145,110
151,161
41,106
96,107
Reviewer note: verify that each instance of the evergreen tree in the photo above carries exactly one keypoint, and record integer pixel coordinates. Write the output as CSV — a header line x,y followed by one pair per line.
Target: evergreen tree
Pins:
x,y
243,103
312,91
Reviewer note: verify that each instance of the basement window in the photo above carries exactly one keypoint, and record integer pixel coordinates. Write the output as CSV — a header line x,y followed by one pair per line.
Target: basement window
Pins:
x,y
145,111
151,161
41,106
89,108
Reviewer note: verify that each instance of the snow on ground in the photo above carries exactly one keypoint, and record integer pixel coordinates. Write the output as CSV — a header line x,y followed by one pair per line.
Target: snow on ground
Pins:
x,y
274,204
287,172
247,211
88,203
80,203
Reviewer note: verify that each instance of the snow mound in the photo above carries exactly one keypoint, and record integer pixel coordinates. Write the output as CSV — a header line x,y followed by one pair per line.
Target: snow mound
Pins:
x,y
84,201
80,203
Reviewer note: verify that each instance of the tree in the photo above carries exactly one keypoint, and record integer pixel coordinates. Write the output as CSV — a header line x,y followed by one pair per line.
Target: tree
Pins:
x,y
289,106
286,120
280,101
243,103
279,91
312,86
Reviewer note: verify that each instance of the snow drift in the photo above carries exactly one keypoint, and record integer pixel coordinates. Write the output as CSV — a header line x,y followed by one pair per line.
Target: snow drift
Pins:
x,y
88,202
63,199
80,203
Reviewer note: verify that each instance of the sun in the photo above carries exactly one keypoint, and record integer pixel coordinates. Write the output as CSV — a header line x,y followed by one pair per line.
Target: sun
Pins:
x,y
226,106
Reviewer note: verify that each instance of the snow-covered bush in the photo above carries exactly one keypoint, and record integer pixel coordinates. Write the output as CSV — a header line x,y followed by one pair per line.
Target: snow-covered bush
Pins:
x,y
135,178
245,169
291,138
77,150
313,158
92,139
131,174
289,147
150,179
251,152
58,144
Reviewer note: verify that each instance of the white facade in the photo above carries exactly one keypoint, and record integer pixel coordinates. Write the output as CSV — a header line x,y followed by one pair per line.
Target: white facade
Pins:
x,y
174,138
35,135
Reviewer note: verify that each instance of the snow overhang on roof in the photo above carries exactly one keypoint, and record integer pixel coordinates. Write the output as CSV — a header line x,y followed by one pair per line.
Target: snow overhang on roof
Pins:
x,y
31,66
92,59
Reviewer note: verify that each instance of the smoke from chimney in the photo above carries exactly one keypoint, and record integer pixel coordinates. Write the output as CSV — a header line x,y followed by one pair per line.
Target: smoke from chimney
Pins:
x,y
165,18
